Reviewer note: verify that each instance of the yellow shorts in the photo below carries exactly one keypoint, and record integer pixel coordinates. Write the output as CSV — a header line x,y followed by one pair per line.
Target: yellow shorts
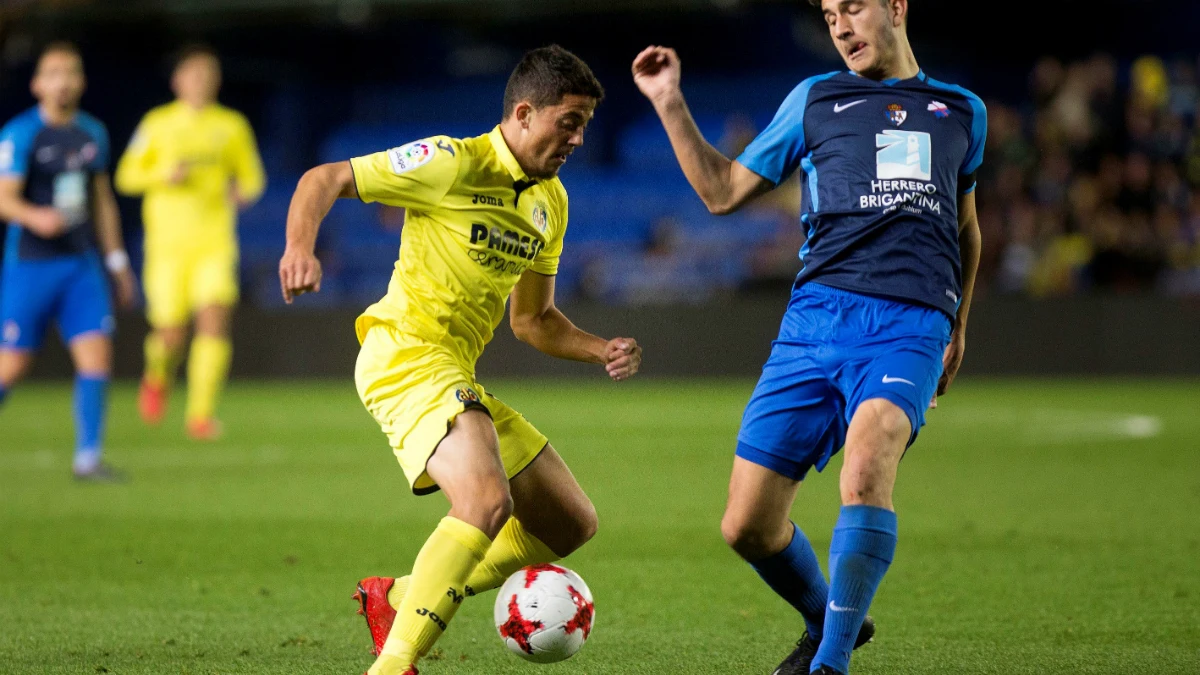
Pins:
x,y
415,390
178,284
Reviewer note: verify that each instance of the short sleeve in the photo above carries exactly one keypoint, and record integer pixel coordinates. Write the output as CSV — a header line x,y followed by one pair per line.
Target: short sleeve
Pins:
x,y
776,153
417,175
546,261
103,149
974,158
15,143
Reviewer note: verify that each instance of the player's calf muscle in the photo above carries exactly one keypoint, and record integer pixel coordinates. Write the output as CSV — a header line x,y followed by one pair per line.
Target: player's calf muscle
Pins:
x,y
552,506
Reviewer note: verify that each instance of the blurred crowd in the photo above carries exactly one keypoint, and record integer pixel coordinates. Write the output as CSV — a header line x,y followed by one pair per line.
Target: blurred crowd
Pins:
x,y
1094,184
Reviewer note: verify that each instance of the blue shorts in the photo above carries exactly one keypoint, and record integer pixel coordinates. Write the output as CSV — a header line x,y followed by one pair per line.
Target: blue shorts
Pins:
x,y
835,350
71,290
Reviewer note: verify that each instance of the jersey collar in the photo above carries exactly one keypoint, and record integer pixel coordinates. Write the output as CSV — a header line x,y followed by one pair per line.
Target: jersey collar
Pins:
x,y
921,77
505,155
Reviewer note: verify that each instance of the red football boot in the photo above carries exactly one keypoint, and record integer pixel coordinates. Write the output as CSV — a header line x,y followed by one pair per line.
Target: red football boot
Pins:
x,y
372,597
205,430
152,402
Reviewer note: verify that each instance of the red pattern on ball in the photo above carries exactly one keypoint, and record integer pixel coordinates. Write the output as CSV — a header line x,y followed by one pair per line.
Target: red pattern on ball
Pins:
x,y
532,572
518,628
584,612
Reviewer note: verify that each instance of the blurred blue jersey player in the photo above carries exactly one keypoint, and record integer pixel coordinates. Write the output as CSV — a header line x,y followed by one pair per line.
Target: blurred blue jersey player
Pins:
x,y
56,196
876,325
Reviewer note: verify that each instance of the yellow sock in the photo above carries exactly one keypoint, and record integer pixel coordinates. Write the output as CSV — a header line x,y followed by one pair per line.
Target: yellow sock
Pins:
x,y
160,363
513,549
435,591
208,368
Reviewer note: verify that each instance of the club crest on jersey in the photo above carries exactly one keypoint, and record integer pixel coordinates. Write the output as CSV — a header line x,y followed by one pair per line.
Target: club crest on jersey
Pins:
x,y
540,218
896,114
466,395
939,109
408,157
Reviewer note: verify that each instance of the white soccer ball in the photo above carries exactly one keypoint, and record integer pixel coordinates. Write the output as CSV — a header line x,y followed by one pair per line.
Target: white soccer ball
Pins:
x,y
544,613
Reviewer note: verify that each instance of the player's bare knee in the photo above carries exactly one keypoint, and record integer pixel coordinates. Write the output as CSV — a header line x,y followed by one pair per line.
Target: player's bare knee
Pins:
x,y
749,540
586,522
13,366
488,510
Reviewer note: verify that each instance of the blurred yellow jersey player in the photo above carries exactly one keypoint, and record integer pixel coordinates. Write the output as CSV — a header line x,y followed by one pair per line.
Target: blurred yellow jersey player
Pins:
x,y
196,163
484,225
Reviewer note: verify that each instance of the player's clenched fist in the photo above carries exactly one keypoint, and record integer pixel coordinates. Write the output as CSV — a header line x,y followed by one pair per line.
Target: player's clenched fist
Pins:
x,y
622,358
299,273
656,72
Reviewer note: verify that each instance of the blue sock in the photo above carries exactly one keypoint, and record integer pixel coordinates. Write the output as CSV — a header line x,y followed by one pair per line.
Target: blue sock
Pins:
x,y
90,402
864,542
795,575
3,394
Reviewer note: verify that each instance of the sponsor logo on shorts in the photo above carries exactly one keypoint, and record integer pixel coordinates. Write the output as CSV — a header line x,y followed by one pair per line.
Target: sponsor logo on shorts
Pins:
x,y
466,395
12,332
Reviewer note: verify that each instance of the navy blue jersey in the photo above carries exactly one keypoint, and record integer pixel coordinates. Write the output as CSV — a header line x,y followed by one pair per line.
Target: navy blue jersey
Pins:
x,y
57,164
884,164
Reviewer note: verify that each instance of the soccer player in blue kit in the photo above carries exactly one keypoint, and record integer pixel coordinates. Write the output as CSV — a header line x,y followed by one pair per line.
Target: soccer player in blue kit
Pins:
x,y
877,321
54,190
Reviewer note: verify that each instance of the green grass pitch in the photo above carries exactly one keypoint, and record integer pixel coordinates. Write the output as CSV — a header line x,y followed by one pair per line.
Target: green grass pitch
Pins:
x,y
1045,527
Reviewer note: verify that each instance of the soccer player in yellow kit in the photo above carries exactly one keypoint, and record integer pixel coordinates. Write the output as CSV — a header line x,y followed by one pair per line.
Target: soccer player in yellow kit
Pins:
x,y
485,223
196,163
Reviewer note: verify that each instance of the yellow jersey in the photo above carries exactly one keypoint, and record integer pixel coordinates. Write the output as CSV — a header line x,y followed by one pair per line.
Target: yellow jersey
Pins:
x,y
474,223
217,145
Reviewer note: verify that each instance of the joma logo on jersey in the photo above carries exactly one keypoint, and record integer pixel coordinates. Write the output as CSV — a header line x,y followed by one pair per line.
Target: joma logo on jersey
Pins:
x,y
904,154
506,241
485,199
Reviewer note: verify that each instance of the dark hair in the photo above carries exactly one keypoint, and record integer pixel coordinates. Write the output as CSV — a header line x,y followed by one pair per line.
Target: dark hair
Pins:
x,y
190,51
60,47
547,74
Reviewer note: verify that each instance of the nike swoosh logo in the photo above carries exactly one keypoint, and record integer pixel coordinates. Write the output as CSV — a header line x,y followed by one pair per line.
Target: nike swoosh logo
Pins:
x,y
891,380
837,107
834,607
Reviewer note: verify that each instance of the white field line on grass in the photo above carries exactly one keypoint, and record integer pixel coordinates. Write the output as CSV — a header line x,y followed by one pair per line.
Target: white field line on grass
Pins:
x,y
1056,427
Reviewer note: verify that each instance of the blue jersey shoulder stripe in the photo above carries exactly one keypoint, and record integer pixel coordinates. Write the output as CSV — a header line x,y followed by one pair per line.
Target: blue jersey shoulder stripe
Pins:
x,y
978,126
96,129
16,142
778,150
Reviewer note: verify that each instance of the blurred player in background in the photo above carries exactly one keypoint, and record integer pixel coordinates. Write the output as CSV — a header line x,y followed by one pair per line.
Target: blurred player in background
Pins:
x,y
196,162
876,326
56,195
486,218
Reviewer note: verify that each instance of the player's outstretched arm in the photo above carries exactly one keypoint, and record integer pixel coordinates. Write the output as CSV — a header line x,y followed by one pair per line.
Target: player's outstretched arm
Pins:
x,y
722,184
318,189
536,321
108,231
969,243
